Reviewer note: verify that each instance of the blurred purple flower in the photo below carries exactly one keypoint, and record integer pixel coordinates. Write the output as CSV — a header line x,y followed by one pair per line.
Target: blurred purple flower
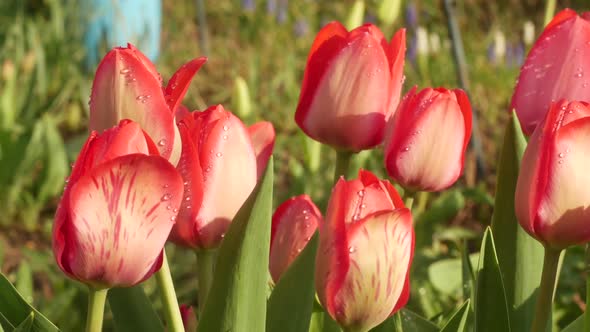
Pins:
x,y
271,7
515,55
411,15
370,18
412,52
492,53
283,11
301,27
249,5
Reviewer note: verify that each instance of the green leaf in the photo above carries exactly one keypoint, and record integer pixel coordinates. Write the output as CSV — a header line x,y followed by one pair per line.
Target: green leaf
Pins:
x,y
291,303
322,322
445,274
237,299
415,323
575,326
519,255
15,309
491,311
5,324
132,310
27,324
458,322
24,281
467,276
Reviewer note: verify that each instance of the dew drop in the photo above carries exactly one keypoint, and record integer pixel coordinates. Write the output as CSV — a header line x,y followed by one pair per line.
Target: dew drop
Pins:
x,y
407,149
168,207
175,210
219,154
173,218
162,142
125,71
166,197
361,193
186,183
225,137
188,198
561,155
225,128
351,249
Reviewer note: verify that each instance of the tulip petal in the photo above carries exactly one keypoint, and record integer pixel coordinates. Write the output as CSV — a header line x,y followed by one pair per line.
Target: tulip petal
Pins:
x,y
545,77
353,88
396,54
184,231
180,81
380,250
293,225
119,220
125,87
564,211
263,140
228,161
423,144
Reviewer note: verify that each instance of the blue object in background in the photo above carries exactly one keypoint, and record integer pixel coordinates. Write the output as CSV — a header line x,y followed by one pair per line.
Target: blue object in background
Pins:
x,y
114,23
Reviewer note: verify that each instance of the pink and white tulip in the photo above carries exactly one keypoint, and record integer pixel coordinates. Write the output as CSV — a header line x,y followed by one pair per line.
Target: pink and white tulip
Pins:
x,y
365,252
427,139
117,209
293,225
553,189
351,86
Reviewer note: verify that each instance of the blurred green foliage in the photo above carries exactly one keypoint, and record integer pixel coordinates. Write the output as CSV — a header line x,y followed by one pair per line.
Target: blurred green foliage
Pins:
x,y
257,56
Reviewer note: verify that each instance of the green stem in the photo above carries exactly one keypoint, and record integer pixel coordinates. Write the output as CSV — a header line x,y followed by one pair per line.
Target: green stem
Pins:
x,y
205,265
587,312
409,198
545,293
549,10
421,200
96,300
168,294
398,322
342,163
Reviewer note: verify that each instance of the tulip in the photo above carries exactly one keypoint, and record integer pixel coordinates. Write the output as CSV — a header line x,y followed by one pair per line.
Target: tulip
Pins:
x,y
189,320
552,198
127,86
218,155
557,67
293,224
365,251
351,86
117,209
427,139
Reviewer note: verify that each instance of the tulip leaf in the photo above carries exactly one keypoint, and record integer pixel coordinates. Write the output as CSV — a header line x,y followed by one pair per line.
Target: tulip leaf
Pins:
x,y
26,325
458,322
295,289
491,309
575,326
519,255
237,299
411,321
15,310
322,322
445,274
132,310
467,276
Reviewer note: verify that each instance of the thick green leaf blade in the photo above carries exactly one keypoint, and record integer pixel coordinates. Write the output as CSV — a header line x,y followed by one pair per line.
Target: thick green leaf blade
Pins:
x,y
445,274
15,309
491,311
519,255
237,299
575,326
411,321
5,325
458,322
291,303
132,310
26,325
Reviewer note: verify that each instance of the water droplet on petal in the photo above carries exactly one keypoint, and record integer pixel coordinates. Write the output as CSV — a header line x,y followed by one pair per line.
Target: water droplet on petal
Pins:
x,y
225,128
361,193
561,155
162,142
124,71
166,197
219,154
168,207
351,249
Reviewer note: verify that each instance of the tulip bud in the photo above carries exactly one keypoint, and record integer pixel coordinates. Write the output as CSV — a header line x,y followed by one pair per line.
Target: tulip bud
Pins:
x,y
117,209
528,32
218,156
241,101
293,225
552,197
351,86
427,139
189,320
127,86
546,77
365,251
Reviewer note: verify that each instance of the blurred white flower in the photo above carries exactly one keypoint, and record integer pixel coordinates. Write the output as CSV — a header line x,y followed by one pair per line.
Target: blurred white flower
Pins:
x,y
528,33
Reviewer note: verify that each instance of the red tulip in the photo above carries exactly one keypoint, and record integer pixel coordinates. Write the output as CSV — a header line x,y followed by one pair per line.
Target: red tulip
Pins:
x,y
365,251
427,139
218,156
351,86
558,66
127,86
293,224
552,192
263,141
117,209
189,320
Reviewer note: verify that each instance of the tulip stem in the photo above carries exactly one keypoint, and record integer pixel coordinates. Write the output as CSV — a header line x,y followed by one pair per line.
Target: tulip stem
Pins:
x,y
587,312
205,264
342,163
546,289
409,198
96,301
549,10
168,294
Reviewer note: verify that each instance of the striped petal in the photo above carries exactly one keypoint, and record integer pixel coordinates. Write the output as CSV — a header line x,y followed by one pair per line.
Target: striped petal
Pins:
x,y
120,216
